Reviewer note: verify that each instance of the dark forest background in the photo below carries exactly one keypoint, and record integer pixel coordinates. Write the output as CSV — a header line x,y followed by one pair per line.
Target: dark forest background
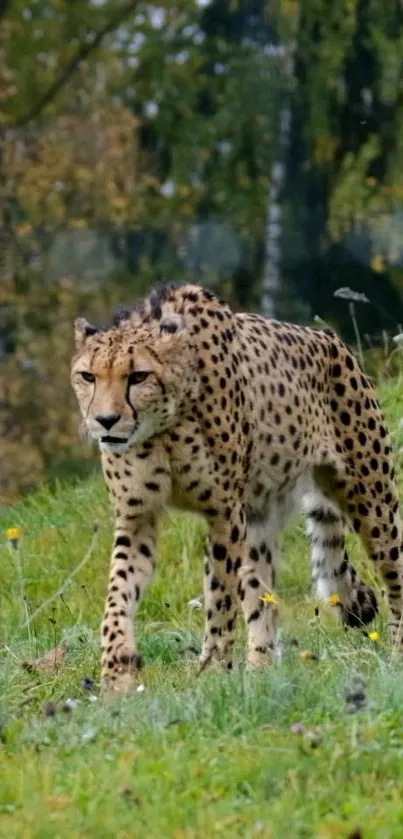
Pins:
x,y
252,146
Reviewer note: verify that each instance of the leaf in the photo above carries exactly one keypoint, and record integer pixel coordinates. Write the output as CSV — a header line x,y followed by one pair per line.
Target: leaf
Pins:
x,y
378,263
48,663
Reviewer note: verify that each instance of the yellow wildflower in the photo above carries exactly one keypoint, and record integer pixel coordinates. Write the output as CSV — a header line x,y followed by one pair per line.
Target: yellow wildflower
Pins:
x,y
13,534
308,655
305,655
373,636
269,597
334,600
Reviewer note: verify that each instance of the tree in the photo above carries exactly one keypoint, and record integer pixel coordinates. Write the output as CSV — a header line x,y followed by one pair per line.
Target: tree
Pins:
x,y
344,163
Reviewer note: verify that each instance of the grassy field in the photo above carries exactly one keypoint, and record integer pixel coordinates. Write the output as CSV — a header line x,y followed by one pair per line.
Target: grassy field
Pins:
x,y
312,747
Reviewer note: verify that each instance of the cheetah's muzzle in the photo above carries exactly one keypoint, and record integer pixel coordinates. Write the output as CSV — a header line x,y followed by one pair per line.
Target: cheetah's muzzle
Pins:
x,y
114,440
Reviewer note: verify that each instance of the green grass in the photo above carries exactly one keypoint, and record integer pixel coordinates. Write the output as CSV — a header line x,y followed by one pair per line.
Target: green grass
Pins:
x,y
200,758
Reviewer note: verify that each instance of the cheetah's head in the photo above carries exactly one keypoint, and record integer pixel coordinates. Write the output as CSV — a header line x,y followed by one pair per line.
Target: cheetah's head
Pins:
x,y
132,381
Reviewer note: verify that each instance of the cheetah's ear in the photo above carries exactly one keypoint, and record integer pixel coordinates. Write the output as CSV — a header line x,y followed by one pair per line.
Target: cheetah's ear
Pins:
x,y
171,324
83,330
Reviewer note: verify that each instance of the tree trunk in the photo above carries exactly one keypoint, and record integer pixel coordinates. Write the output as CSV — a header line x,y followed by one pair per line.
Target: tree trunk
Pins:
x,y
274,222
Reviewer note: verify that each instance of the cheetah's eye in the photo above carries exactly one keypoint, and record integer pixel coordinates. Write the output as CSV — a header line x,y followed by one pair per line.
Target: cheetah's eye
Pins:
x,y
137,377
88,377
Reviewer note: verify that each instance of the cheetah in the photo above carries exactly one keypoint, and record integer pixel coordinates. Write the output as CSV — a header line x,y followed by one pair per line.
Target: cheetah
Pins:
x,y
239,419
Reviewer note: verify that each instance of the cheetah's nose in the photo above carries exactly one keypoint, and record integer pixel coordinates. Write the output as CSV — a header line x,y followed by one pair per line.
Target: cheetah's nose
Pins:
x,y
108,420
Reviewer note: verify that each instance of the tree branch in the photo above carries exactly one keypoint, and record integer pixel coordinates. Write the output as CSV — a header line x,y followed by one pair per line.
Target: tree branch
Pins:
x,y
82,53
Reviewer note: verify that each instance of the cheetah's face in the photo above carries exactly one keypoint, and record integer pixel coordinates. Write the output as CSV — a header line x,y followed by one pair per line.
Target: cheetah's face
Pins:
x,y
132,381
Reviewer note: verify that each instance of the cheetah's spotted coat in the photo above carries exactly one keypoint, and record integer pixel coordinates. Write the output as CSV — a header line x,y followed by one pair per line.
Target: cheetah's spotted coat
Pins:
x,y
237,418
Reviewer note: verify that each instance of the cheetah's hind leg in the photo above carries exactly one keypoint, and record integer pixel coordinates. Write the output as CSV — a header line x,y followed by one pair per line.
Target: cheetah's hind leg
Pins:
x,y
257,582
332,571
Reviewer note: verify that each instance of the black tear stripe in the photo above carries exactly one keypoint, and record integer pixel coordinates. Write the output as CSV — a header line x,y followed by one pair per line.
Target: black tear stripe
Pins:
x,y
93,397
162,386
134,412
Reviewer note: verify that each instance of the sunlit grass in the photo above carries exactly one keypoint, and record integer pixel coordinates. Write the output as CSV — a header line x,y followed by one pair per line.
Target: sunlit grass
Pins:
x,y
311,748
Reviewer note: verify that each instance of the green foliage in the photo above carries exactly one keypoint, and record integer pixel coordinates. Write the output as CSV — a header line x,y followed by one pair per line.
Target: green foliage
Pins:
x,y
121,124
138,141
349,69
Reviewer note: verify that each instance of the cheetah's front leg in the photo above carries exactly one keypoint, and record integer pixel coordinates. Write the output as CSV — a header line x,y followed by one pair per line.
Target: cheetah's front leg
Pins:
x,y
221,612
132,566
223,560
138,499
